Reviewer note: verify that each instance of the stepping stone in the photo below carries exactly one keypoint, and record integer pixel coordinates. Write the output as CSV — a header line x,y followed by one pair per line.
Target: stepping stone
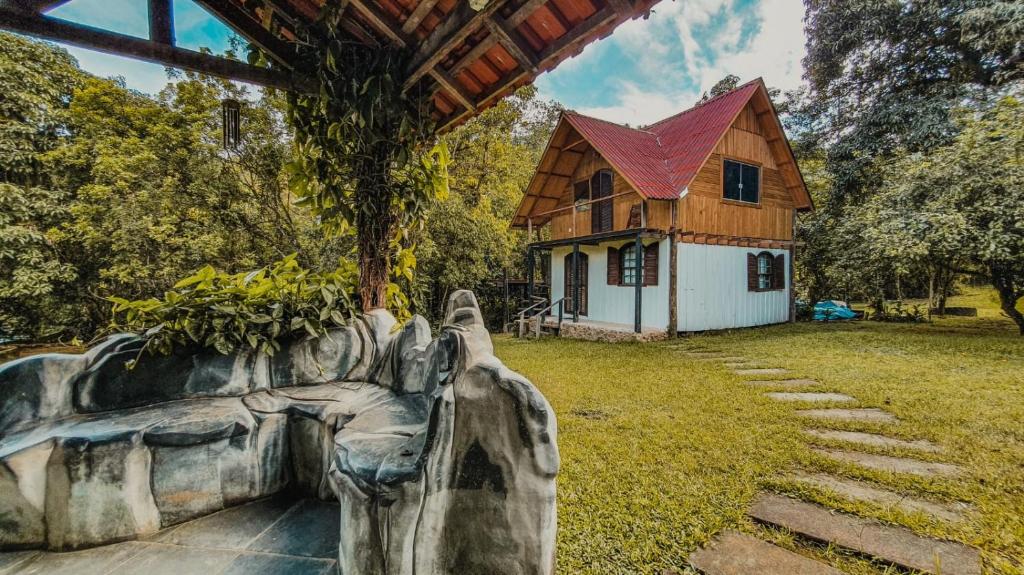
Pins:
x,y
704,354
783,382
813,397
893,544
734,553
863,414
762,371
861,491
721,358
873,439
892,464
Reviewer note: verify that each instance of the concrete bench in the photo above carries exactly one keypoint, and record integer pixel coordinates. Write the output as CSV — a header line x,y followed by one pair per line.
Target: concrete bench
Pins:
x,y
434,443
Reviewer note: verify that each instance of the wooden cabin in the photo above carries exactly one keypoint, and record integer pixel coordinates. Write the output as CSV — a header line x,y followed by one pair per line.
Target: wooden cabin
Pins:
x,y
685,225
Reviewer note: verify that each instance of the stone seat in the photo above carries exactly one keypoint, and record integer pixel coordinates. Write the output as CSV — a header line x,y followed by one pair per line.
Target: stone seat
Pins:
x,y
92,452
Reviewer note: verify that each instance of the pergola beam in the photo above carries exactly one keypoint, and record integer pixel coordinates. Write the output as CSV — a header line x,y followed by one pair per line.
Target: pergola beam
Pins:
x,y
234,17
58,30
161,21
451,86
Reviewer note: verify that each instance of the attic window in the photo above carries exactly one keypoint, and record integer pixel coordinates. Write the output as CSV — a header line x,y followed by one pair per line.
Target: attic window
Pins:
x,y
741,182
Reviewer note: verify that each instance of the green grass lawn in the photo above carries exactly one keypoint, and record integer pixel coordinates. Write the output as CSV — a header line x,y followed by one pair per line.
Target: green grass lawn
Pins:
x,y
660,451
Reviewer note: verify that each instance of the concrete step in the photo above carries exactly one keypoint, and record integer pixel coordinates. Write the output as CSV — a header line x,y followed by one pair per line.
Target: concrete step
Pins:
x,y
865,492
734,553
897,545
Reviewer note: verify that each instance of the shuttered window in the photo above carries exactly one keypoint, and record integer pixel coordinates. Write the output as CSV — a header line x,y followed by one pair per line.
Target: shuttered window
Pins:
x,y
741,182
625,265
601,214
766,272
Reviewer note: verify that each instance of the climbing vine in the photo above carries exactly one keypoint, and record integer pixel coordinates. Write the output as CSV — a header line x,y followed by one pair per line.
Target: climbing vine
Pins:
x,y
366,157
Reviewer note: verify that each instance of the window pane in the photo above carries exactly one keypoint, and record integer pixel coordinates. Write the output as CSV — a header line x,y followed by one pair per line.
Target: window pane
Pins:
x,y
732,180
581,192
750,184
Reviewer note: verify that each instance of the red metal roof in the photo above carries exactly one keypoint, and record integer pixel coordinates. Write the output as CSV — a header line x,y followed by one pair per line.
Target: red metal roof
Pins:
x,y
662,159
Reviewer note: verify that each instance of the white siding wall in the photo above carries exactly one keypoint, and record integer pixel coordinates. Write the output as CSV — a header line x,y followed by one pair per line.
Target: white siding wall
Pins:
x,y
614,303
713,292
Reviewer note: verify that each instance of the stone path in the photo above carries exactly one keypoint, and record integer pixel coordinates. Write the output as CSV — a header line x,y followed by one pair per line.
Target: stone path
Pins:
x,y
811,397
735,553
783,382
873,440
896,545
892,464
761,371
267,537
860,491
864,414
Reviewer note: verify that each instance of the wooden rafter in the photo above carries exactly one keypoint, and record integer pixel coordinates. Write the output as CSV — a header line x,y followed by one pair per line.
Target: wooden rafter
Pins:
x,y
59,30
451,86
417,16
31,6
233,16
380,22
457,26
513,44
596,20
161,21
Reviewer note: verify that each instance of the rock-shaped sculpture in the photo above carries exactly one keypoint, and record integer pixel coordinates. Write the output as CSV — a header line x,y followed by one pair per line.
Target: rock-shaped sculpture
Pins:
x,y
443,460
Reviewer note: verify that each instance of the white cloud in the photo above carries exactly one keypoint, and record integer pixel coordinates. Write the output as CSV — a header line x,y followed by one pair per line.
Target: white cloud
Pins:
x,y
673,66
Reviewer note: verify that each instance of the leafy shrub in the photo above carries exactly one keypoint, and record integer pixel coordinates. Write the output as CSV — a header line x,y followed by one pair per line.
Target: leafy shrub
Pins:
x,y
897,313
255,310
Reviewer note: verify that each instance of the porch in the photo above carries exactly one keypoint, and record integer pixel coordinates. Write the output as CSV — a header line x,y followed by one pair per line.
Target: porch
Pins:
x,y
580,295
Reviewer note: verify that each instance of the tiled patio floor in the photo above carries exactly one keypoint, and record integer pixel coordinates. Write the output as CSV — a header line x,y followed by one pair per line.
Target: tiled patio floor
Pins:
x,y
278,535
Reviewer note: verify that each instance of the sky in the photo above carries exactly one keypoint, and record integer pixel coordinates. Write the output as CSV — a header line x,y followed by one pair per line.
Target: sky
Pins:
x,y
645,71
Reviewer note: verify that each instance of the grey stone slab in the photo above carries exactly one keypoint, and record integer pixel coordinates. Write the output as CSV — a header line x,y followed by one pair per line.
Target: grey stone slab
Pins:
x,y
234,528
873,439
860,491
744,364
761,371
863,414
264,564
893,464
11,560
95,561
704,354
160,559
812,397
783,382
723,358
889,543
310,530
734,553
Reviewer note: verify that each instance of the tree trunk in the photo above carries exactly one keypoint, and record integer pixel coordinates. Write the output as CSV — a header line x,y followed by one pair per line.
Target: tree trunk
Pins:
x,y
1002,280
375,226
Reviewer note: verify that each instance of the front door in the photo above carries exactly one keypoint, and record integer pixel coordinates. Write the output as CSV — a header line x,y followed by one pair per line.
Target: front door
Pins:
x,y
582,273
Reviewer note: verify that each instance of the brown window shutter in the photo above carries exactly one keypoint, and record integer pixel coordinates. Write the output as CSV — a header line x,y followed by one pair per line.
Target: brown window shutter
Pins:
x,y
613,267
651,265
751,272
779,272
634,216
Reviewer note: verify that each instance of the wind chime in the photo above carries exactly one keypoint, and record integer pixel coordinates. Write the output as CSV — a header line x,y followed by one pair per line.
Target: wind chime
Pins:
x,y
231,114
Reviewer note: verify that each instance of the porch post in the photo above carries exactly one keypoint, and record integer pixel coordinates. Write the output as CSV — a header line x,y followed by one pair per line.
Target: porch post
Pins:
x,y
529,276
639,283
576,282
